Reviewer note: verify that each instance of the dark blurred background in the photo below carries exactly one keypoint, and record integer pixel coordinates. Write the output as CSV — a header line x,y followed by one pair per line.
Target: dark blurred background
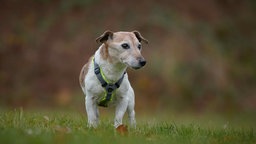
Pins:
x,y
201,56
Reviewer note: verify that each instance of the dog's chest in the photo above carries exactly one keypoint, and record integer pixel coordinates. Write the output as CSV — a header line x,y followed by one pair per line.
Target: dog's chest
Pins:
x,y
97,91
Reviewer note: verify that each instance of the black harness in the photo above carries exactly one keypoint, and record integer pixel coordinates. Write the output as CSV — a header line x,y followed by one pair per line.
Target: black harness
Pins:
x,y
109,87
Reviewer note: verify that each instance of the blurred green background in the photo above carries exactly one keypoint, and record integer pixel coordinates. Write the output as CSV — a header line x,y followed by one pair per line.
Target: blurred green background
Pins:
x,y
201,56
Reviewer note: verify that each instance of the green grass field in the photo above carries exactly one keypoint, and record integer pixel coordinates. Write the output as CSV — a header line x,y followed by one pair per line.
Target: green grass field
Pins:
x,y
22,127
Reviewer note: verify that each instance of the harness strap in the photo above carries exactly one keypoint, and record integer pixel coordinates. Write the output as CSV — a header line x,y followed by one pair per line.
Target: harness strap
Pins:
x,y
109,87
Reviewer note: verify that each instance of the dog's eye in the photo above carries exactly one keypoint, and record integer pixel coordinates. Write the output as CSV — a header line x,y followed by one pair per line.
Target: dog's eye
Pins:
x,y
125,46
139,46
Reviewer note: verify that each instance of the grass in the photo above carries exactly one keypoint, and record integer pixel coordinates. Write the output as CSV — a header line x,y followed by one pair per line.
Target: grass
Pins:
x,y
21,127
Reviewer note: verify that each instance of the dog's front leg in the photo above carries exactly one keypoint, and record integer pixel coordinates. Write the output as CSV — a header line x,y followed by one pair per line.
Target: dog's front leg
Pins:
x,y
131,111
92,111
120,110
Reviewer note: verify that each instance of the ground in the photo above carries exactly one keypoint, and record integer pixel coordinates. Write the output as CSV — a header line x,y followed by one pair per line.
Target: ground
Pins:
x,y
20,126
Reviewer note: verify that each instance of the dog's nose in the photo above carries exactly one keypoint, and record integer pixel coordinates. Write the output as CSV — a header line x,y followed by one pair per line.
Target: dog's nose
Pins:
x,y
142,62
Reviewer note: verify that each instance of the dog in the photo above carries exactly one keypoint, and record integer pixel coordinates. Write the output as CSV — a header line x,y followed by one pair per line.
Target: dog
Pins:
x,y
104,80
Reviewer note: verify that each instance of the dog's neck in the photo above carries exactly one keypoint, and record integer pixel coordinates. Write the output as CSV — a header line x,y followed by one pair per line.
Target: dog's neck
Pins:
x,y
112,68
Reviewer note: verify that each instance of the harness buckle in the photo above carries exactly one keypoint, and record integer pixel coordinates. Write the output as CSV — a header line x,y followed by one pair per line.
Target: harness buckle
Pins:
x,y
110,88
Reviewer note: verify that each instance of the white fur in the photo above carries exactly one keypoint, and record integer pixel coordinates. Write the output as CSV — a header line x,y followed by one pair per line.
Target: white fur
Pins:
x,y
113,70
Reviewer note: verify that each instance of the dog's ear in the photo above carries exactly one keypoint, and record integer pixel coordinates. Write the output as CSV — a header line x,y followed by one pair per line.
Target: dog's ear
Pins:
x,y
105,36
140,37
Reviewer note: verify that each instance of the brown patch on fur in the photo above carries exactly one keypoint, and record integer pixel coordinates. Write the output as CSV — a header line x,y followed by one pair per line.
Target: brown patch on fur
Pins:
x,y
105,36
120,36
84,72
104,51
122,129
140,37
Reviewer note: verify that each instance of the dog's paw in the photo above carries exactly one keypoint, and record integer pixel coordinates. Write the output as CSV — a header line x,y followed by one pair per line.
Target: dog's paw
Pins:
x,y
122,129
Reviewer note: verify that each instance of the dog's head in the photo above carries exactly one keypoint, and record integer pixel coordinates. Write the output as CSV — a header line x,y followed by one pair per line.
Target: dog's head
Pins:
x,y
124,47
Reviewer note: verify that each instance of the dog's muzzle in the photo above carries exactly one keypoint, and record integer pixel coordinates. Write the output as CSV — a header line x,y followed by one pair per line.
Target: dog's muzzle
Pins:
x,y
141,62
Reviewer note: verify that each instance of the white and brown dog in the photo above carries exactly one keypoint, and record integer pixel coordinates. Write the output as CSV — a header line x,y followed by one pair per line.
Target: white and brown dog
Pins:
x,y
104,80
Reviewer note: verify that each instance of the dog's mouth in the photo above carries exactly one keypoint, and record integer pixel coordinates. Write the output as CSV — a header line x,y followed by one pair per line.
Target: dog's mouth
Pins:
x,y
133,67
137,67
